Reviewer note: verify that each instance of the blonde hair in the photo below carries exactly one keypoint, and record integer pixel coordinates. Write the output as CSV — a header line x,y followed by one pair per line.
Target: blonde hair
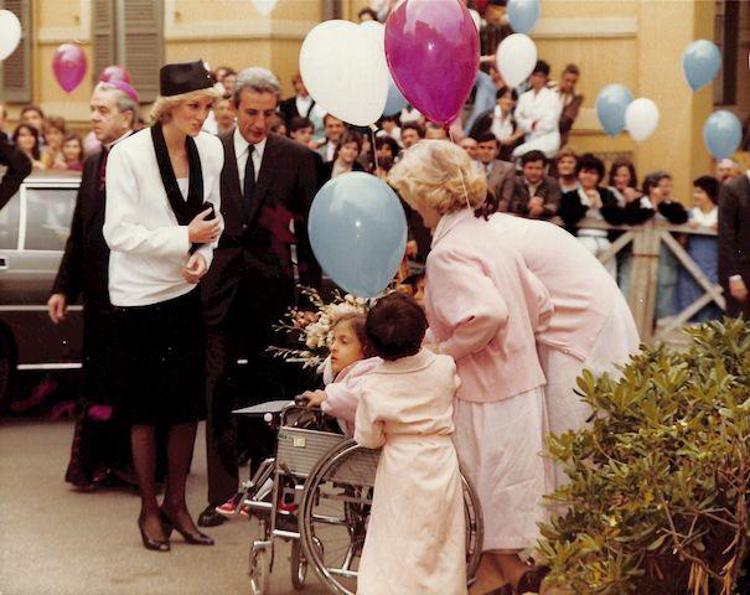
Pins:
x,y
161,111
440,175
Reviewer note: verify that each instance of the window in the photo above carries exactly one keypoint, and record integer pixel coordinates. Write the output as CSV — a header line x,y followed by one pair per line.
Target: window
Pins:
x,y
49,212
727,37
131,33
9,224
15,70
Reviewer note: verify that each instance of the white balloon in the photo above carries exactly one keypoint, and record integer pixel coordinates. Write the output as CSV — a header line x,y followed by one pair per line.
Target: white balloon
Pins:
x,y
516,58
344,69
641,118
10,33
264,7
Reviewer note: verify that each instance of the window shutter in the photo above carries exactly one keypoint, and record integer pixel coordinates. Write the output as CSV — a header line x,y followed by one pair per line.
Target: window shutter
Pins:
x,y
16,68
103,30
140,44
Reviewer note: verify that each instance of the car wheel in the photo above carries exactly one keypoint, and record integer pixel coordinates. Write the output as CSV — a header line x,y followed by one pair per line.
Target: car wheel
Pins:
x,y
8,361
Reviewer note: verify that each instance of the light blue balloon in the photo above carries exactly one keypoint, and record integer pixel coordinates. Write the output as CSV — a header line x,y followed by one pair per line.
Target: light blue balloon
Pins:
x,y
722,134
358,232
611,104
523,14
701,62
395,101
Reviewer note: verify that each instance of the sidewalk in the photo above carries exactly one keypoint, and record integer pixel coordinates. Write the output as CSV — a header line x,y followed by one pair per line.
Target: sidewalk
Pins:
x,y
54,540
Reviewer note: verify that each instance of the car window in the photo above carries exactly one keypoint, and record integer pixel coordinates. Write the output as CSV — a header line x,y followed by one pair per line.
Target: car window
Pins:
x,y
49,212
9,224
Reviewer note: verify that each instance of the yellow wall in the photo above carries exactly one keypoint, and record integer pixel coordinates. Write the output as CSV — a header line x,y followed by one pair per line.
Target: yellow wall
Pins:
x,y
635,42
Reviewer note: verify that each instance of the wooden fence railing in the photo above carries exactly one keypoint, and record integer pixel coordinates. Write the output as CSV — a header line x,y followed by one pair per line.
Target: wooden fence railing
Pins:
x,y
646,241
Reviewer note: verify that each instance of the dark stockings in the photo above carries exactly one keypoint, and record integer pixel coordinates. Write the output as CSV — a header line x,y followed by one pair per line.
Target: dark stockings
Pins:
x,y
179,452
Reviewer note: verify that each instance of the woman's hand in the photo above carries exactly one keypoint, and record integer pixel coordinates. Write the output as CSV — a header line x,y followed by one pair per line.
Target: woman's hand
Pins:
x,y
314,398
201,231
195,268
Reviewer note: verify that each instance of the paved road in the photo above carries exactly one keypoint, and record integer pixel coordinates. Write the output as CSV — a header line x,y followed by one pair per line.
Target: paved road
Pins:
x,y
58,541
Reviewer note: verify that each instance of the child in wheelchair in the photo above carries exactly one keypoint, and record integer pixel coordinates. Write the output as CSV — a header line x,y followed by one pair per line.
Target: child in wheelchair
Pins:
x,y
415,541
348,363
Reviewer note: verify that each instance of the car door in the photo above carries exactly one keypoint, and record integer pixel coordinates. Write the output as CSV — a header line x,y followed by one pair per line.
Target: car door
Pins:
x,y
44,210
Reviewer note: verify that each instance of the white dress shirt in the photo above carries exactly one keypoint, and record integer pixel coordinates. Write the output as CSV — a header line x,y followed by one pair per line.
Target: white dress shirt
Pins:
x,y
501,127
241,149
303,105
148,246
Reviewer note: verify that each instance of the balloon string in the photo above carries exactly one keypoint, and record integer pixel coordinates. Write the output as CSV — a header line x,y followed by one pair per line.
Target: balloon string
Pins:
x,y
460,172
373,128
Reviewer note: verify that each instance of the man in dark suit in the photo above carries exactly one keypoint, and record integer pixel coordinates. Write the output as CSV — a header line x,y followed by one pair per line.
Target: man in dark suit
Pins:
x,y
101,445
268,184
734,244
501,175
535,194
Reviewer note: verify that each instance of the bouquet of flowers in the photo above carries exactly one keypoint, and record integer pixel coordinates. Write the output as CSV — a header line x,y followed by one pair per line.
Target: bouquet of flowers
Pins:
x,y
313,329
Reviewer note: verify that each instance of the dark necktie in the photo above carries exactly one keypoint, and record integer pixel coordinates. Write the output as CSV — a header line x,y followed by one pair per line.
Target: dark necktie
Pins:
x,y
249,185
103,169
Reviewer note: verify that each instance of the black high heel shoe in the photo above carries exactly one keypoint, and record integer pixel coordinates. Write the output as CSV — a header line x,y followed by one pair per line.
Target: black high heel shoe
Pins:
x,y
156,545
197,538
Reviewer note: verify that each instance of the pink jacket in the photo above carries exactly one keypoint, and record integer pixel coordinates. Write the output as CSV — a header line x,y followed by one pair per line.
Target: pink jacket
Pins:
x,y
484,307
582,291
342,395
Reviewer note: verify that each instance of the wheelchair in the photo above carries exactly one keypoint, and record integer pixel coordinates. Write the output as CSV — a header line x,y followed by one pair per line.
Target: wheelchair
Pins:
x,y
316,493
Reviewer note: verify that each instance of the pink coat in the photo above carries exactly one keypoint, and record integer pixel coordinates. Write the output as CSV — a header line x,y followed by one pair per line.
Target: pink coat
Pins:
x,y
582,292
342,395
484,307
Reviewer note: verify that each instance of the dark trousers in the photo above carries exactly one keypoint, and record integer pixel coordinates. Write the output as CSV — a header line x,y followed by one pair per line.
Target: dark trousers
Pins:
x,y
245,333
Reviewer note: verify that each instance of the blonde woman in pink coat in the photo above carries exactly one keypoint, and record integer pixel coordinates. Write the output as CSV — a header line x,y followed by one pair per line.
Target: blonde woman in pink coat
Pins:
x,y
485,307
591,328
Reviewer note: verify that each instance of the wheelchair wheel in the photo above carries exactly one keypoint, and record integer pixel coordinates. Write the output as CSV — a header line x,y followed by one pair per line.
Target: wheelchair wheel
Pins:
x,y
298,566
335,510
260,569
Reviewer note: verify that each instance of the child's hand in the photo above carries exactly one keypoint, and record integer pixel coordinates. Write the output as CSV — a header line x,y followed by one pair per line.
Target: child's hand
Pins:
x,y
314,398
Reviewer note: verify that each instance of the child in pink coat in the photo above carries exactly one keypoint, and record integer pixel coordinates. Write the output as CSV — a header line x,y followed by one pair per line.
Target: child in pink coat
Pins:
x,y
349,364
415,539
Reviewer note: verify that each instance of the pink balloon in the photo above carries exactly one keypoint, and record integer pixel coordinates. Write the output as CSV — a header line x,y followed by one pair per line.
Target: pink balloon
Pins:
x,y
432,48
114,73
69,65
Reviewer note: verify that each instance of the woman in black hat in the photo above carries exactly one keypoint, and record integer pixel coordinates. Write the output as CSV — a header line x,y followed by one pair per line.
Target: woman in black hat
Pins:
x,y
162,223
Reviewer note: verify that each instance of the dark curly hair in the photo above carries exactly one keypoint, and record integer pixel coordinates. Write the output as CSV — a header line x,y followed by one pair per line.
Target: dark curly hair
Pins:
x,y
396,326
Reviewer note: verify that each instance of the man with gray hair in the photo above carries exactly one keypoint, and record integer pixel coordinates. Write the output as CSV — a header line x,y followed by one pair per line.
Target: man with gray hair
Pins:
x,y
267,187
101,444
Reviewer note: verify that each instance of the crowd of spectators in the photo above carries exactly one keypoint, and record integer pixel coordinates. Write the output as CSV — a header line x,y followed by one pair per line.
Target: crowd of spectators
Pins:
x,y
522,141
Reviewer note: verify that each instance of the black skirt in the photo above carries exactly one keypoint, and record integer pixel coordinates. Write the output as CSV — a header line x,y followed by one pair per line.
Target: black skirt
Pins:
x,y
163,361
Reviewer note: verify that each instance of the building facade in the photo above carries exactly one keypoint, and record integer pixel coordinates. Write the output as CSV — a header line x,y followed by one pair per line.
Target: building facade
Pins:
x,y
638,43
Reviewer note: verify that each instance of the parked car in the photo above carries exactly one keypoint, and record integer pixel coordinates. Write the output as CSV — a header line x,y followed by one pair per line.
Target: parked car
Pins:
x,y
34,226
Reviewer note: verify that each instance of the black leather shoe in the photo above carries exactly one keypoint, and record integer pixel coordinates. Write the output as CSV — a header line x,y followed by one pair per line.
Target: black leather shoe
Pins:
x,y
155,545
210,518
197,538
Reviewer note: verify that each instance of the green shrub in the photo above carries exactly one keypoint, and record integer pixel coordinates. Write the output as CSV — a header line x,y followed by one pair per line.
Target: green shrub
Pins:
x,y
658,491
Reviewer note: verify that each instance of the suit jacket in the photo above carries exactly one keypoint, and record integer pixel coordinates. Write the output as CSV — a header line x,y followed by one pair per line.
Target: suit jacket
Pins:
x,y
568,117
549,190
501,181
84,269
326,169
256,244
734,238
288,109
572,209
18,166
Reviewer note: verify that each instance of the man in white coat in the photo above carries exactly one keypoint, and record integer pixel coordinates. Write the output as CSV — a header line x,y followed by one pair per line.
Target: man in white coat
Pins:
x,y
538,115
